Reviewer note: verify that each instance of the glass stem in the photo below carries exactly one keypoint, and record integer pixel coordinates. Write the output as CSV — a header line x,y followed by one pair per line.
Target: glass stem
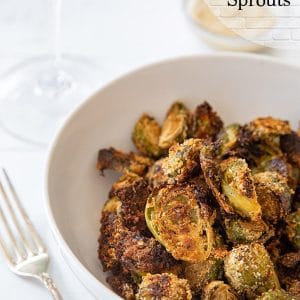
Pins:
x,y
57,32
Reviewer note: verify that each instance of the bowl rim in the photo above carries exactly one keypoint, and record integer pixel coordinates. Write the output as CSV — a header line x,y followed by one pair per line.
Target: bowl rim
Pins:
x,y
63,245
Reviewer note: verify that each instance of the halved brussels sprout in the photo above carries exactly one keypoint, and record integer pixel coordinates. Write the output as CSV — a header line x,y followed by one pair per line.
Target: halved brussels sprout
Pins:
x,y
163,286
183,160
122,162
273,194
293,228
249,270
238,187
276,295
240,231
145,136
290,144
266,127
228,138
156,175
176,220
199,274
175,126
213,175
205,122
218,290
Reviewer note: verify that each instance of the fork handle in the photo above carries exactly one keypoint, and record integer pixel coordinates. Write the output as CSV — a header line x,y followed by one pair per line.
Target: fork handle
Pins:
x,y
48,282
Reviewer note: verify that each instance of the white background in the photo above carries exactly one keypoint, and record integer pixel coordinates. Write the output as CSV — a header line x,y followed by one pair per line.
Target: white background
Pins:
x,y
117,35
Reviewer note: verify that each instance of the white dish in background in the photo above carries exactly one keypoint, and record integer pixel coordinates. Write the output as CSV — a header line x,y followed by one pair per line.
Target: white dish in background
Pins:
x,y
239,87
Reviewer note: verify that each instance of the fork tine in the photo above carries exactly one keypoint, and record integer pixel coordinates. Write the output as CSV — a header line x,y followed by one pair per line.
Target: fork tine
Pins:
x,y
6,252
37,240
11,237
15,221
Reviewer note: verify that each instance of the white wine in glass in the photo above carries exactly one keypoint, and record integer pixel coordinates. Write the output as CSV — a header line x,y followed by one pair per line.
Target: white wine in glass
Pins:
x,y
36,95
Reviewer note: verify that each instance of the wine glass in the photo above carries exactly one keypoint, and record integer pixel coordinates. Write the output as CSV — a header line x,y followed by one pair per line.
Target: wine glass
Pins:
x,y
36,95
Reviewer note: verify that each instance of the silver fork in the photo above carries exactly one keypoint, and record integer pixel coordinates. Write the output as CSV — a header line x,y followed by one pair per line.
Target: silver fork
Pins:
x,y
21,245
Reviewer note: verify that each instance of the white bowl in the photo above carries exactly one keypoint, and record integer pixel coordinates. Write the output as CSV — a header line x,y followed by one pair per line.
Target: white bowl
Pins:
x,y
239,87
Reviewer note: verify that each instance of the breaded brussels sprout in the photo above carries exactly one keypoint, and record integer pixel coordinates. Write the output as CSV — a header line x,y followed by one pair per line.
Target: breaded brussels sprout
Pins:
x,y
213,175
205,122
133,191
249,270
293,228
238,188
268,127
290,144
273,194
122,162
199,274
276,295
228,138
176,220
183,160
241,231
145,136
123,285
218,290
175,126
139,255
163,286
156,175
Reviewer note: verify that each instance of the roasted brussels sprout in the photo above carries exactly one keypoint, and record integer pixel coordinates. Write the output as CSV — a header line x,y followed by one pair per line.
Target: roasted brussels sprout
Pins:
x,y
293,228
163,286
139,255
133,191
213,175
228,138
145,136
273,194
205,122
122,162
175,126
238,187
218,290
249,270
290,144
276,295
156,175
183,160
201,273
123,285
240,231
268,127
176,220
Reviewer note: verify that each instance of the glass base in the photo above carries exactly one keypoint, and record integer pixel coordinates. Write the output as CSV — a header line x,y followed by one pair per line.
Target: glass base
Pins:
x,y
36,95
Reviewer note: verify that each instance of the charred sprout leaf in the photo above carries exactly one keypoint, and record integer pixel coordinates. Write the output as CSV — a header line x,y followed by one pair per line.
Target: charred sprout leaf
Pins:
x,y
175,126
176,220
290,144
213,175
276,295
293,228
132,191
163,286
240,231
228,138
249,270
122,162
205,122
238,187
183,160
145,136
201,273
218,290
268,127
273,194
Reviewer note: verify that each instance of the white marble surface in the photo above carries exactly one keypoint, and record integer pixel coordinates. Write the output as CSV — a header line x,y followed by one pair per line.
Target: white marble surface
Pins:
x,y
117,35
